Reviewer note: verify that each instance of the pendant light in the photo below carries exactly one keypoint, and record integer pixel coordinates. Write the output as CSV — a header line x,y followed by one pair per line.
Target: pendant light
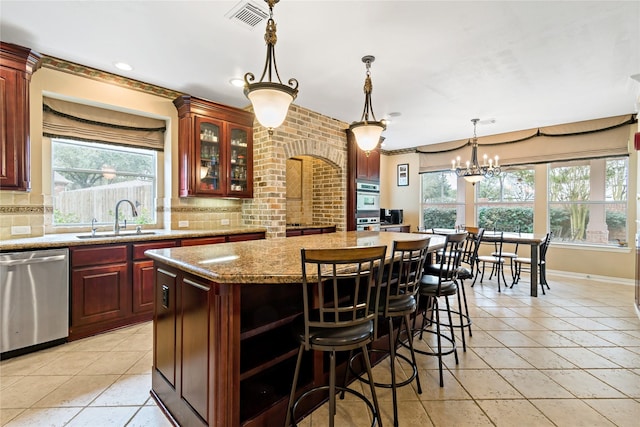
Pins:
x,y
270,99
366,132
474,172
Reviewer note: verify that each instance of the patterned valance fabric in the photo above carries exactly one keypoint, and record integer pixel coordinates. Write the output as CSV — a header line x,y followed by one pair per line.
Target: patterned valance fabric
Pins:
x,y
70,120
581,140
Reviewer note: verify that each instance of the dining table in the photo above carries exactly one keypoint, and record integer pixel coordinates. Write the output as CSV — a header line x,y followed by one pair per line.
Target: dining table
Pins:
x,y
533,240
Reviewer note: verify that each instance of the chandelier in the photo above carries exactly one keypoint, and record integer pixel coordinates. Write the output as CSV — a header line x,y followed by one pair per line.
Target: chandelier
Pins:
x,y
367,133
474,172
270,99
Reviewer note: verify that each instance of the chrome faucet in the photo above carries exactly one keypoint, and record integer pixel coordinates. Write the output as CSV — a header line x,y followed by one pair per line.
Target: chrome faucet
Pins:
x,y
116,226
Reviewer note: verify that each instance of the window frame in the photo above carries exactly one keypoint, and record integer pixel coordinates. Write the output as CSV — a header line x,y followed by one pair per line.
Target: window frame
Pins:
x,y
506,203
459,205
153,177
623,241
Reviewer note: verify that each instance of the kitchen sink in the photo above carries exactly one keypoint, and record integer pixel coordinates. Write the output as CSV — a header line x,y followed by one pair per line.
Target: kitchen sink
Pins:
x,y
121,234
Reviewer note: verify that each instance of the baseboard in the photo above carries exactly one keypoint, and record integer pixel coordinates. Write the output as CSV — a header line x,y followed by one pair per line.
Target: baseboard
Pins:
x,y
595,277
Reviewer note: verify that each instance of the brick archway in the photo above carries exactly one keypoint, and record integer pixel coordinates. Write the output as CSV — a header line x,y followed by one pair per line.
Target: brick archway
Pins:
x,y
321,150
329,183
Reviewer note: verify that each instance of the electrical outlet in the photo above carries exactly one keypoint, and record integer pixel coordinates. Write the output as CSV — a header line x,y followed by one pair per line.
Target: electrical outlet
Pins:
x,y
224,222
21,229
183,224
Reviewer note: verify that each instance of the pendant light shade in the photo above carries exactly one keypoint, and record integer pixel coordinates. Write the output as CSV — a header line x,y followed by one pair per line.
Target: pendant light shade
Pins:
x,y
270,99
270,103
367,132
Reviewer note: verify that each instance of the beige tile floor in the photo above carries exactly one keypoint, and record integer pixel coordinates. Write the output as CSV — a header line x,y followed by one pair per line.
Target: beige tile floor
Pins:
x,y
568,358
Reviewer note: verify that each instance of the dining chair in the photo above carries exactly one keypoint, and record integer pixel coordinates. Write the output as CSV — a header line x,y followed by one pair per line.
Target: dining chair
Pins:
x,y
542,264
496,260
340,292
510,252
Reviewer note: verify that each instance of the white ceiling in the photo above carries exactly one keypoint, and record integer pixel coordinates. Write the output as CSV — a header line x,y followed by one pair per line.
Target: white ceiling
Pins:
x,y
439,64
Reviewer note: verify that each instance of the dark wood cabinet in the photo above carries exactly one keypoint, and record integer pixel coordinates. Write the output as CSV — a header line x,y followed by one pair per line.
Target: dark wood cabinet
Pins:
x,y
307,231
215,149
142,272
99,282
111,286
360,167
194,321
244,237
195,306
203,241
17,64
368,167
222,239
165,320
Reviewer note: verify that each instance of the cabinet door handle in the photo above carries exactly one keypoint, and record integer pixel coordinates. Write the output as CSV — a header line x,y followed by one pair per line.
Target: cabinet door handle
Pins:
x,y
197,285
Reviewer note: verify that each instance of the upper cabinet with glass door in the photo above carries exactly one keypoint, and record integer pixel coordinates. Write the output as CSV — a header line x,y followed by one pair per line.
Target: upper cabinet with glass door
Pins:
x,y
215,149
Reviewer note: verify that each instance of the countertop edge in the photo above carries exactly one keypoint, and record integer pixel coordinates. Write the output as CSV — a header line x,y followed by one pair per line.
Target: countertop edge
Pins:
x,y
71,239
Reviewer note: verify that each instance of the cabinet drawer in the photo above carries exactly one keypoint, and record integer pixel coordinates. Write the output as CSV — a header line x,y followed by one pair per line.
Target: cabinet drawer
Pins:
x,y
312,231
139,248
244,237
111,254
204,241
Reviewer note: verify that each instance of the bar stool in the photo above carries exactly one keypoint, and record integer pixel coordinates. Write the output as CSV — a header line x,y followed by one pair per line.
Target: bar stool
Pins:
x,y
341,289
440,281
398,300
467,270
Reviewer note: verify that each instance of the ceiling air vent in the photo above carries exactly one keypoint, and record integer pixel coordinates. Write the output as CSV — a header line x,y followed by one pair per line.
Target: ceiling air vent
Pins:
x,y
247,14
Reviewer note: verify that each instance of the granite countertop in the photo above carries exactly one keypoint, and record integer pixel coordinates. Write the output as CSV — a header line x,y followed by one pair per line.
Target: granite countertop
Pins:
x,y
72,239
270,261
387,225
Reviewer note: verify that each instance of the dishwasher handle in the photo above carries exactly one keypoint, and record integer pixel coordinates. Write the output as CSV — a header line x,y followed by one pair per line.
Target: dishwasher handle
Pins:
x,y
29,261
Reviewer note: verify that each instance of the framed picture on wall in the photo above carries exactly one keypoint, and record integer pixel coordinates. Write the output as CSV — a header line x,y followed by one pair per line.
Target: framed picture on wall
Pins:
x,y
403,174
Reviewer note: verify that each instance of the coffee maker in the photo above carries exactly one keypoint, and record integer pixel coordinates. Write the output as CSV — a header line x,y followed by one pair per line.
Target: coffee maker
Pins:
x,y
391,216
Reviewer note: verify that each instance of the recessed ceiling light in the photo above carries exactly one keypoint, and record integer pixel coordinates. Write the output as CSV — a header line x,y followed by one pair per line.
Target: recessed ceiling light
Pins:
x,y
237,82
123,66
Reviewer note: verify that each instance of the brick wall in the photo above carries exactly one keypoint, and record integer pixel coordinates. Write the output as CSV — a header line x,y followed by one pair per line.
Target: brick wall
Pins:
x,y
304,133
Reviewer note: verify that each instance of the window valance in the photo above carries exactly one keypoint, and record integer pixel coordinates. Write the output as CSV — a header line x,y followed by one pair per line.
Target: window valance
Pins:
x,y
64,119
580,140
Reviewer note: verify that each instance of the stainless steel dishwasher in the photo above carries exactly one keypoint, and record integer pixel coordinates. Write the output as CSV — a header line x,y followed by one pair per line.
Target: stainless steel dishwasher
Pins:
x,y
34,300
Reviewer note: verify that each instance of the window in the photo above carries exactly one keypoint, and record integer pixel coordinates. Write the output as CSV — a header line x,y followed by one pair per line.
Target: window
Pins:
x,y
89,179
588,201
505,202
442,200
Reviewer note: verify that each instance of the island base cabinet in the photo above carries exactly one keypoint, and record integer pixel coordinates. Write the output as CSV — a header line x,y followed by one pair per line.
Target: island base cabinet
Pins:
x,y
164,330
195,360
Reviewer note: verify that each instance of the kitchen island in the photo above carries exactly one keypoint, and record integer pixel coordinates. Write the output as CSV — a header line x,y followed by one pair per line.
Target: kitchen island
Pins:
x,y
223,354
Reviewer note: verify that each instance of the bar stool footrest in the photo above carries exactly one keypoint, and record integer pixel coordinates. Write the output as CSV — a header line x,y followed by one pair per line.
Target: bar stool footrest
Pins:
x,y
337,389
443,352
385,385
